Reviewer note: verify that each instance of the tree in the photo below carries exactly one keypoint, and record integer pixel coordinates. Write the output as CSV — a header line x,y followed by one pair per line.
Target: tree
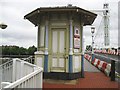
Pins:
x,y
16,50
31,50
22,51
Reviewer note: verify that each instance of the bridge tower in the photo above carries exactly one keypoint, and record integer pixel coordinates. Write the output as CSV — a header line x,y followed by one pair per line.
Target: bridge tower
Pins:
x,y
106,24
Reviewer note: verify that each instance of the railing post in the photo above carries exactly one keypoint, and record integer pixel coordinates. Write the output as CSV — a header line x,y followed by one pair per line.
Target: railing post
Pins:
x,y
14,71
112,70
92,56
82,63
70,66
82,56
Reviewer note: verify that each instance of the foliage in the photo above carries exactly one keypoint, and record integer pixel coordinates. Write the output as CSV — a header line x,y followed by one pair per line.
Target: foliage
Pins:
x,y
16,50
31,50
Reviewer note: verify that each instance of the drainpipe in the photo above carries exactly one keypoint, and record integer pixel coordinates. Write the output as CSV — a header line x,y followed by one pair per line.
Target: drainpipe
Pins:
x,y
82,56
46,48
71,47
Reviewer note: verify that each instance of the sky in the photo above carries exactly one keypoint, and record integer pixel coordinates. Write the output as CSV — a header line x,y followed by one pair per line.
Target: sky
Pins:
x,y
22,33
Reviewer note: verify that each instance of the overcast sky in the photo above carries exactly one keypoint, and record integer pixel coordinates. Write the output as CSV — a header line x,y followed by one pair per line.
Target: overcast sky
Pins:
x,y
23,33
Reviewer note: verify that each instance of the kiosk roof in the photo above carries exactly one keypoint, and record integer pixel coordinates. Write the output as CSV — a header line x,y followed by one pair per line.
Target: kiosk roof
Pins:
x,y
34,16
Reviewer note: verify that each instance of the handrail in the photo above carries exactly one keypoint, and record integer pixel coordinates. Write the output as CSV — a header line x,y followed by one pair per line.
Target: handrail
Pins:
x,y
15,58
104,57
25,78
112,65
32,76
15,55
6,63
107,57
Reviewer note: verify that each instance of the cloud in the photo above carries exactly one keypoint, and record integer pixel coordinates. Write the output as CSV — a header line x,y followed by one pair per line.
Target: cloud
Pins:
x,y
22,32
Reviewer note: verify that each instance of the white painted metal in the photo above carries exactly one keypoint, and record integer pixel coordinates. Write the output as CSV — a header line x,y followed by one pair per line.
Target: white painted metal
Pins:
x,y
25,81
13,73
6,72
22,68
3,84
20,74
106,24
106,16
100,65
17,70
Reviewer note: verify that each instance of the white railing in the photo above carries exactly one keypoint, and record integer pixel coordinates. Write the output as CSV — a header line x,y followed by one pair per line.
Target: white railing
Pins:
x,y
23,75
3,60
29,59
32,80
6,72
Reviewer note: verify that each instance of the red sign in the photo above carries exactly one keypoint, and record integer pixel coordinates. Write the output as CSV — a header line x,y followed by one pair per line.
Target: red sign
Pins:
x,y
76,38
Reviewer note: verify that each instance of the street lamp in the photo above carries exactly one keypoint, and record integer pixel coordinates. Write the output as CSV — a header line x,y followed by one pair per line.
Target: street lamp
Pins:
x,y
3,26
92,31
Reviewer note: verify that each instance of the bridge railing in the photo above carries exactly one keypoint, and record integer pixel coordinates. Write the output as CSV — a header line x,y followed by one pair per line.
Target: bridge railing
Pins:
x,y
4,60
6,71
29,59
7,58
32,80
111,52
112,69
19,73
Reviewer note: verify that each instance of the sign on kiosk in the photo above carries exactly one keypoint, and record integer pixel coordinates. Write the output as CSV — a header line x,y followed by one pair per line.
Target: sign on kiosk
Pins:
x,y
76,38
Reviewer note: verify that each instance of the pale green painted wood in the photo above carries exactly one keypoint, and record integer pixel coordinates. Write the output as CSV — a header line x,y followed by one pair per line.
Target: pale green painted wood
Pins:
x,y
42,56
64,23
58,54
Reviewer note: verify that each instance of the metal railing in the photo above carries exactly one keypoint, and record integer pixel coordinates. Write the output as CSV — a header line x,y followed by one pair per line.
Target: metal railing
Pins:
x,y
27,58
6,72
4,60
32,80
20,74
30,59
114,71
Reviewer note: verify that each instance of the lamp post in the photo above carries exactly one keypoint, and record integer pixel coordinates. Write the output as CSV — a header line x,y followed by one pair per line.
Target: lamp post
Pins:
x,y
92,31
3,26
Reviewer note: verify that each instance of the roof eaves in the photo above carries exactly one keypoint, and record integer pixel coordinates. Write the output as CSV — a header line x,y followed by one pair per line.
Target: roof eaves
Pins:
x,y
31,13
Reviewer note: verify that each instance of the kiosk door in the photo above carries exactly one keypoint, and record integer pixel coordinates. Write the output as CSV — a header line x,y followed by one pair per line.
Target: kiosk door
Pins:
x,y
58,50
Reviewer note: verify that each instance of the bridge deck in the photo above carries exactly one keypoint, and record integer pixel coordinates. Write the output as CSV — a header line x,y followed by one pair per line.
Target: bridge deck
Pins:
x,y
93,79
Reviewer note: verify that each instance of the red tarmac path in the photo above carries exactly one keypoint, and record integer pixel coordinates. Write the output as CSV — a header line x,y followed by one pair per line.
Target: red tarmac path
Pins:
x,y
91,80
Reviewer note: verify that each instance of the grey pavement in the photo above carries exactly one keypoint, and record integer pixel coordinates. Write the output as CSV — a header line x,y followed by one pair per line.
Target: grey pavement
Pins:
x,y
89,67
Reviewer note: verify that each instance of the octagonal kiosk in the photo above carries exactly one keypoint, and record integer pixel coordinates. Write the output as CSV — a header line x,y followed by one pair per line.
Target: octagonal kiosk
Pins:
x,y
60,40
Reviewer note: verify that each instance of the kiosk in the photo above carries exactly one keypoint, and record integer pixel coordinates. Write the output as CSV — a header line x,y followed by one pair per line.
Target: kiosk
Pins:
x,y
60,40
